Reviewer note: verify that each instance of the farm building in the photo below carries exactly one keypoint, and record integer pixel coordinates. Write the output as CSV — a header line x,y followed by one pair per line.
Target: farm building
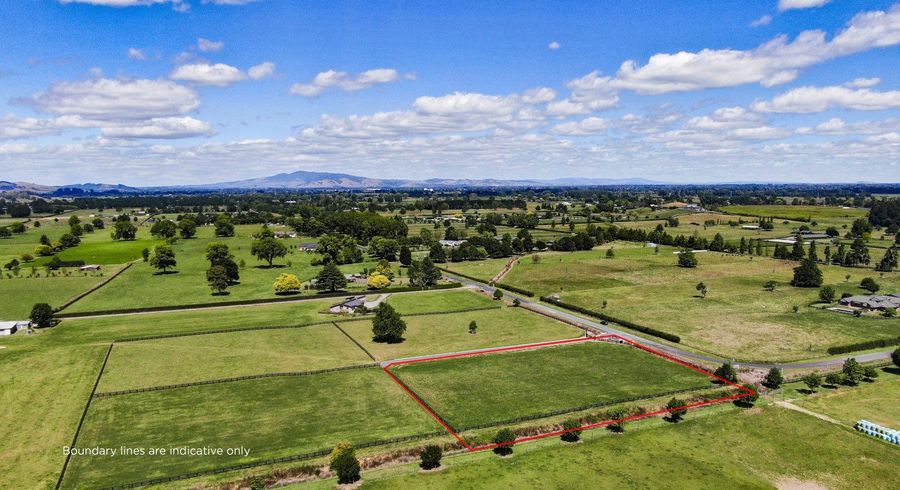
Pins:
x,y
352,303
285,234
873,302
9,328
308,247
451,243
89,267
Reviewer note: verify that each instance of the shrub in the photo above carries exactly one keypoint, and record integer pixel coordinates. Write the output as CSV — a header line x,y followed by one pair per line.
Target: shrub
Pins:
x,y
826,294
473,327
498,294
726,371
344,463
505,438
751,398
618,415
869,285
387,326
773,379
812,381
572,435
431,457
834,379
676,410
378,281
870,373
287,283
687,258
853,371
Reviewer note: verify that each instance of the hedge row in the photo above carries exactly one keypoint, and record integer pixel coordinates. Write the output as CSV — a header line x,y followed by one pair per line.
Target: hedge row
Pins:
x,y
465,276
283,299
564,411
271,461
514,289
625,323
236,378
871,344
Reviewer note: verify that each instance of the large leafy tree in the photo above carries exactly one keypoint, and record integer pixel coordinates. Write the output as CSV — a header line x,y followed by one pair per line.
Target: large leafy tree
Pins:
x,y
217,278
187,228
807,274
387,326
343,462
687,258
163,258
42,315
287,283
124,230
330,278
164,229
217,253
268,249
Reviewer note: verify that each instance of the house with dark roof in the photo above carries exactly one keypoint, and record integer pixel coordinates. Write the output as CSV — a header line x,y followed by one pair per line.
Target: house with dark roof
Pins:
x,y
879,302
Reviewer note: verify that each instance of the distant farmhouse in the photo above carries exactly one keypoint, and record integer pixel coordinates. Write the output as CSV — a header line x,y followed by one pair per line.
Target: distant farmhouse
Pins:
x,y
308,247
353,303
874,302
451,243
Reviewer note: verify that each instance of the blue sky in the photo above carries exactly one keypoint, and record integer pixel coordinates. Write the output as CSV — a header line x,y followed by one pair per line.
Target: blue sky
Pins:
x,y
149,92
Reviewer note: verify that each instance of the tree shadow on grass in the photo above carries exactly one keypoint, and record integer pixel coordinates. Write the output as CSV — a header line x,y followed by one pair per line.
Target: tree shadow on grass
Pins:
x,y
164,273
273,266
388,340
221,293
288,293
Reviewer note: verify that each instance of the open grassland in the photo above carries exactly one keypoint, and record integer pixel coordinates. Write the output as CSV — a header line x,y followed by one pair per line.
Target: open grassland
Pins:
x,y
19,294
271,417
141,286
812,213
43,392
876,402
434,334
745,449
483,270
738,318
436,301
491,388
206,357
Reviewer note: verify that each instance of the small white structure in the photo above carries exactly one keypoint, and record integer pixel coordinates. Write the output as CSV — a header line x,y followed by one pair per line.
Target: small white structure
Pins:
x,y
9,328
89,267
871,428
349,305
451,243
750,227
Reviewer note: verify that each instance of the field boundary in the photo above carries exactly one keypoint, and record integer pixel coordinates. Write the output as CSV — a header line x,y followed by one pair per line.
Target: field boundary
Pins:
x,y
258,301
627,324
87,406
355,342
93,288
286,374
743,391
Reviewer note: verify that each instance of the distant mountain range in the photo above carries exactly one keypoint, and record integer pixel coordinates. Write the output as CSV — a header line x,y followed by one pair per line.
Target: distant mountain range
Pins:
x,y
303,180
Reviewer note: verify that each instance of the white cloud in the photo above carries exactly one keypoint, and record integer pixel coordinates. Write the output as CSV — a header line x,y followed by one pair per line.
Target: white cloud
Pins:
x,y
14,127
762,21
837,126
345,81
207,46
776,62
263,70
863,82
585,127
117,99
161,128
554,46
136,54
725,118
178,5
800,4
805,100
538,95
218,74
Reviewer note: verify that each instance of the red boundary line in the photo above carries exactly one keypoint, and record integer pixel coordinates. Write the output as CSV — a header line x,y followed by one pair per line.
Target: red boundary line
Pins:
x,y
745,391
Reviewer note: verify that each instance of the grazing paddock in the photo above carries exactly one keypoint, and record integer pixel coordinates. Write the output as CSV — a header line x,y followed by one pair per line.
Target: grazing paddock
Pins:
x,y
207,357
271,417
738,318
876,402
492,388
433,334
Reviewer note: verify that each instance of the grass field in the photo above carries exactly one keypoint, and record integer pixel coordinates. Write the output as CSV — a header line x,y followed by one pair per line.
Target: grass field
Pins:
x,y
746,450
814,213
204,357
140,286
270,417
738,318
431,334
483,270
490,388
876,402
19,294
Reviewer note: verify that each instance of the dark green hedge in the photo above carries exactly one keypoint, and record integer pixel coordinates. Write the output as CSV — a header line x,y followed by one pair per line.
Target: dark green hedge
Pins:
x,y
871,344
514,289
625,323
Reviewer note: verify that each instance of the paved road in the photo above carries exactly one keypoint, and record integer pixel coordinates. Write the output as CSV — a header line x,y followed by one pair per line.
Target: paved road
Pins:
x,y
669,349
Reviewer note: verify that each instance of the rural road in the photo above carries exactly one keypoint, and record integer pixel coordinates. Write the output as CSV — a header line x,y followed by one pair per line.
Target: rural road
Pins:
x,y
669,349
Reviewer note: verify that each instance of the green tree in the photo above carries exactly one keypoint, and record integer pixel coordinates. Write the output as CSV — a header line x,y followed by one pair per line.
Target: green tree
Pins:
x,y
217,253
676,409
853,371
812,381
387,326
498,294
870,373
164,229
268,249
145,254
42,315
749,400
727,372
833,379
124,230
473,327
431,457
807,275
770,286
223,225
619,425
610,253
773,379
217,278
571,434
187,228
163,258
330,278
504,440
343,463
869,285
895,357
687,259
437,253
826,294
405,256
